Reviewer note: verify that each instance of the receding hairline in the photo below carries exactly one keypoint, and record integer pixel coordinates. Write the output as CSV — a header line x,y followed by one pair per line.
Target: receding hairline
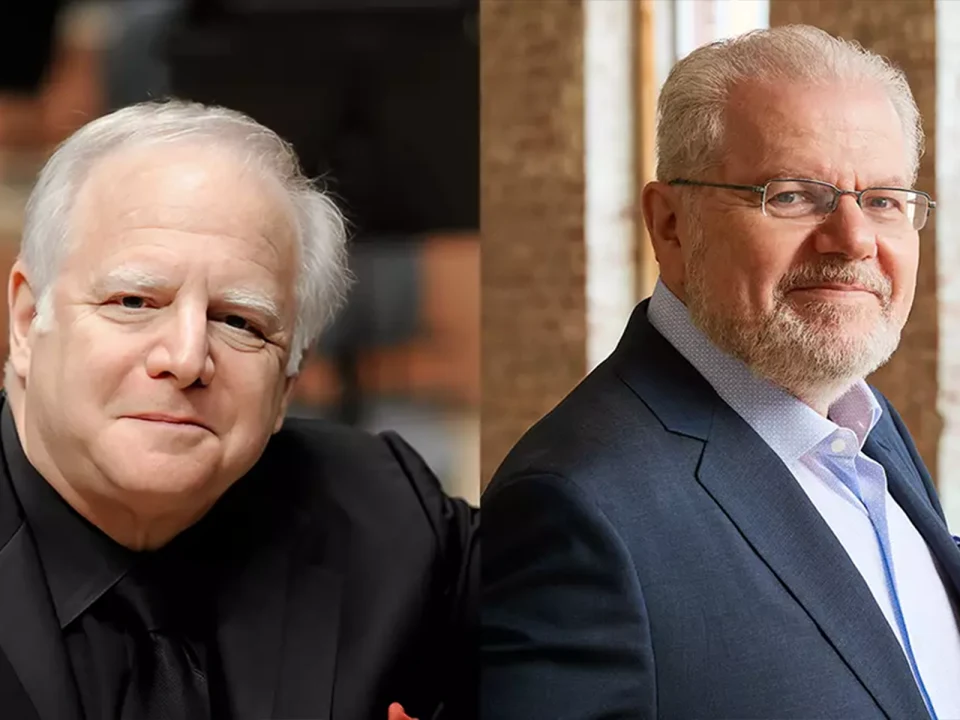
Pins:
x,y
134,158
701,82
767,97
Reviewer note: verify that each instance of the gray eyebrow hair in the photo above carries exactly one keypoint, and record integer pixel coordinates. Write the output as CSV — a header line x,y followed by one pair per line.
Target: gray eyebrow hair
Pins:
x,y
127,278
253,300
131,278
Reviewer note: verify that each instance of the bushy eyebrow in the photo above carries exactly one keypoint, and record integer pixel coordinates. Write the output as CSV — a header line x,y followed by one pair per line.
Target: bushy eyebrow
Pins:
x,y
126,279
253,301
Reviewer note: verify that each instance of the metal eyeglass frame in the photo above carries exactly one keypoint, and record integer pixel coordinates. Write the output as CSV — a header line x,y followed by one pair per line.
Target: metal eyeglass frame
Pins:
x,y
838,193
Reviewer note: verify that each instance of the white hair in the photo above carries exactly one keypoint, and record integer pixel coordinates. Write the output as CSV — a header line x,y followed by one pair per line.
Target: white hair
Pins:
x,y
693,100
322,277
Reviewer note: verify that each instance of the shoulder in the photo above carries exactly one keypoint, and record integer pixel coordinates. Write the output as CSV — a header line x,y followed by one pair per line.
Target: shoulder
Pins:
x,y
377,480
337,458
596,432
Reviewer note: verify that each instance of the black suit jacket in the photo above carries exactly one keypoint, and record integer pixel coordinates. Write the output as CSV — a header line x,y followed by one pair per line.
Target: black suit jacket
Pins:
x,y
351,590
647,555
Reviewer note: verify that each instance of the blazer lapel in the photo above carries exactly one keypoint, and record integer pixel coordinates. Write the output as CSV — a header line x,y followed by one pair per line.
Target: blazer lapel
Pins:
x,y
29,632
763,499
310,644
279,615
250,630
903,480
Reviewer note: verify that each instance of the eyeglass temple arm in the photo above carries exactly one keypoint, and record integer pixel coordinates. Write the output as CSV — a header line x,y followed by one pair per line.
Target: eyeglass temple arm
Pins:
x,y
698,183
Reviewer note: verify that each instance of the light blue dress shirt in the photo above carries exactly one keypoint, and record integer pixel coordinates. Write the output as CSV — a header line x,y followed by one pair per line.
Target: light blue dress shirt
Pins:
x,y
849,490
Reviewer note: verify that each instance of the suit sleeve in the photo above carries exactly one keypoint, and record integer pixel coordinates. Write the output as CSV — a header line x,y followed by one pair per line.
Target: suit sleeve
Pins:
x,y
456,526
564,631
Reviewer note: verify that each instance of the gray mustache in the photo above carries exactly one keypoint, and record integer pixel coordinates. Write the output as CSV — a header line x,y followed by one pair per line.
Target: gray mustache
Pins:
x,y
868,276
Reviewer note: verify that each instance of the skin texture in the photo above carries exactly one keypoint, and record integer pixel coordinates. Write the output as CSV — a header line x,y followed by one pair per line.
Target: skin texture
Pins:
x,y
811,306
175,301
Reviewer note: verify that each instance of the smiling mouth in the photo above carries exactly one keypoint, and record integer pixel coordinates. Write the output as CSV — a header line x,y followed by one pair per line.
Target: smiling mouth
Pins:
x,y
169,420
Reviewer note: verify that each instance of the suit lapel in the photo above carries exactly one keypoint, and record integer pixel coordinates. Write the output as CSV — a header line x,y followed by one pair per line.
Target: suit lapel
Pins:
x,y
279,613
764,501
29,632
903,480
250,629
762,498
310,646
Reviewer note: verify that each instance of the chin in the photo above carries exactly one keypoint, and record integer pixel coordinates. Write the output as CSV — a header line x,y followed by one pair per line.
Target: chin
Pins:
x,y
160,474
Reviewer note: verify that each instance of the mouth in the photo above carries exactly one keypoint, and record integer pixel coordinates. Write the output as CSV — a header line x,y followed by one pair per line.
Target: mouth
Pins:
x,y
836,289
170,420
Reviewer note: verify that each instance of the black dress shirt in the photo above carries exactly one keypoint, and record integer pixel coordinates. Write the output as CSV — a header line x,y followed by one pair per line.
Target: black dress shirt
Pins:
x,y
81,565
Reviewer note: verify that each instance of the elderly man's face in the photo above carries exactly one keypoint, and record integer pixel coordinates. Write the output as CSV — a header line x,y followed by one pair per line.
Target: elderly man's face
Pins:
x,y
806,304
162,374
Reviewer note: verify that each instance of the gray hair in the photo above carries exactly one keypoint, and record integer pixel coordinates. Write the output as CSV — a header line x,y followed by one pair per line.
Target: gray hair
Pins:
x,y
322,278
693,100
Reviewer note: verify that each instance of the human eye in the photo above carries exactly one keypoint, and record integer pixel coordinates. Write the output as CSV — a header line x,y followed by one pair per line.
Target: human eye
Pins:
x,y
793,198
789,197
886,201
131,302
241,324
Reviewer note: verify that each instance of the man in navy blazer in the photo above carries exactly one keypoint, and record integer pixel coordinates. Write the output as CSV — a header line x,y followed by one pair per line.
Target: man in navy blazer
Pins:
x,y
723,520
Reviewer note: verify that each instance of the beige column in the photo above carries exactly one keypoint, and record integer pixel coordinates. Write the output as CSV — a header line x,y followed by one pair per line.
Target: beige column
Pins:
x,y
532,184
558,176
905,32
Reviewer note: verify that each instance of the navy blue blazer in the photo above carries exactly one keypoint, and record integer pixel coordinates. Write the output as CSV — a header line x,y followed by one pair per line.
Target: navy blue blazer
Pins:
x,y
647,555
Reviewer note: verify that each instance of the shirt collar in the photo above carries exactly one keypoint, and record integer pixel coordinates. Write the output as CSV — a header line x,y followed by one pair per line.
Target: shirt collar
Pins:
x,y
80,562
789,426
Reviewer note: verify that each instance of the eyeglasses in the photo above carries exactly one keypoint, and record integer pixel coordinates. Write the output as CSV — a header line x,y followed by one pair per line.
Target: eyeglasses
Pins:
x,y
803,199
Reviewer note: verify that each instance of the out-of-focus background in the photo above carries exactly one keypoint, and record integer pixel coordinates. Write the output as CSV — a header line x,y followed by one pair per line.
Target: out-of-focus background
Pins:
x,y
381,100
567,142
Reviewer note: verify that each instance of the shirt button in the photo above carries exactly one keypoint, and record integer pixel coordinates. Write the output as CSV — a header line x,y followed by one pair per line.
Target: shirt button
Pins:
x,y
838,445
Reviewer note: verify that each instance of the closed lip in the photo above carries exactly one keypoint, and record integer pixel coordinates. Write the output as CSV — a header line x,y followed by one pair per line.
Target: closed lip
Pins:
x,y
168,418
840,287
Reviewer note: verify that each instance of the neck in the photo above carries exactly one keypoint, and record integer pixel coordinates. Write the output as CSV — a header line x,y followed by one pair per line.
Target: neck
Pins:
x,y
822,396
120,519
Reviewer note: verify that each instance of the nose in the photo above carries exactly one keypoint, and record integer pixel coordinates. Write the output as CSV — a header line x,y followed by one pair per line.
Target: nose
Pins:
x,y
847,231
182,351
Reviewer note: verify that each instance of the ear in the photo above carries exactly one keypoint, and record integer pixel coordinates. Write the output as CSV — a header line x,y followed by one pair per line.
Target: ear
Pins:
x,y
23,311
285,402
661,214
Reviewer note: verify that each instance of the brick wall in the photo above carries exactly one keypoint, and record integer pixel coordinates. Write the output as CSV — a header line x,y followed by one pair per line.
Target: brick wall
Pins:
x,y
533,316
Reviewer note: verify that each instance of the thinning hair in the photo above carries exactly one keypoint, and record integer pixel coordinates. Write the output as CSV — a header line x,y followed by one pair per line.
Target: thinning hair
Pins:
x,y
322,277
693,101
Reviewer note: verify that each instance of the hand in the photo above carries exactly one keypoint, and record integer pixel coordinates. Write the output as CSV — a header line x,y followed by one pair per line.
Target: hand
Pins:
x,y
395,712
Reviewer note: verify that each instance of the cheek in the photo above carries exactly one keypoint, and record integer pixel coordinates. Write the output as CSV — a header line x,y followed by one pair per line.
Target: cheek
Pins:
x,y
252,384
78,361
743,265
900,262
100,364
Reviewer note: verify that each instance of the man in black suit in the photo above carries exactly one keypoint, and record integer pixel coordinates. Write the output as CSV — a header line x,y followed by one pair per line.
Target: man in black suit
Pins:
x,y
724,520
169,547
